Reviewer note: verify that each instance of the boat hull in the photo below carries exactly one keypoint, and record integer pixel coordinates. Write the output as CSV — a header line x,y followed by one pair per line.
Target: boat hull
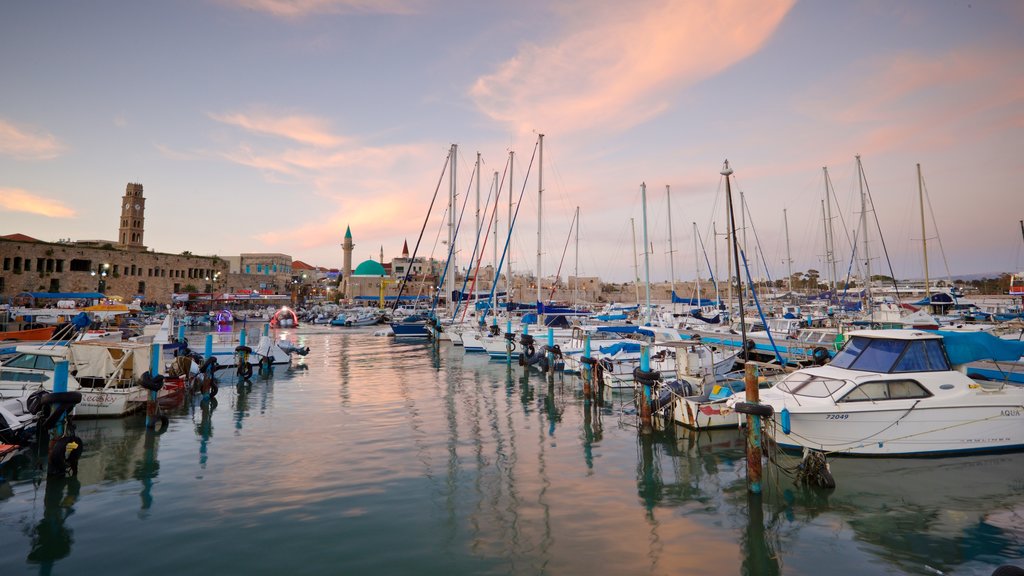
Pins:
x,y
907,431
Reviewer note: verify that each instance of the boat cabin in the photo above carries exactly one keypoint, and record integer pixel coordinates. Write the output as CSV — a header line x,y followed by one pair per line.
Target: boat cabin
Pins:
x,y
892,351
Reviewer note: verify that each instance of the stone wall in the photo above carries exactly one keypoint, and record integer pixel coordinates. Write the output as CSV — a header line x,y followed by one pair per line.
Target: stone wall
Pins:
x,y
68,267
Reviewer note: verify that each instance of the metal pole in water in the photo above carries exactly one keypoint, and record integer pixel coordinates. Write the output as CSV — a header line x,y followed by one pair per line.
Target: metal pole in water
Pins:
x,y
154,371
550,354
208,346
266,329
60,384
241,337
646,425
587,375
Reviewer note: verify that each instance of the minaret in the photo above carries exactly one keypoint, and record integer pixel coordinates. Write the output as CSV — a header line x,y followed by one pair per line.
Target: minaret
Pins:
x,y
346,248
382,255
133,220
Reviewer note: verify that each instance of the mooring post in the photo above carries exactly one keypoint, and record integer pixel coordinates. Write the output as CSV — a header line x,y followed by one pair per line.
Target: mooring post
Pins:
x,y
266,329
646,425
181,332
208,346
550,354
753,430
60,384
241,337
154,371
509,341
587,374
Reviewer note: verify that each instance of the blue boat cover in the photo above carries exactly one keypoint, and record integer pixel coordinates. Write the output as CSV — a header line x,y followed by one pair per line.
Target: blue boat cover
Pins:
x,y
964,347
625,330
613,349
64,295
610,317
692,301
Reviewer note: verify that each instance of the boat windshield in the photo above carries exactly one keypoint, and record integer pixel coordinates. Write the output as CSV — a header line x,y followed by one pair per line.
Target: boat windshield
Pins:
x,y
887,356
804,384
30,361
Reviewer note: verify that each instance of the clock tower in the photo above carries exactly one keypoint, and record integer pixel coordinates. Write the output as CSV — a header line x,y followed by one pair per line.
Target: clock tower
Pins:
x,y
133,220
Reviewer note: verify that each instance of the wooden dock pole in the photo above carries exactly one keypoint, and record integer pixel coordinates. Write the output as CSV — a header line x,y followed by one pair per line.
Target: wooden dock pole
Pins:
x,y
509,342
753,431
646,424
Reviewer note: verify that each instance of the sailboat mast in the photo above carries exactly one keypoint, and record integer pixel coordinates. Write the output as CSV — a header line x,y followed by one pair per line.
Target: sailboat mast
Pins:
x,y
864,233
714,243
509,278
636,265
647,260
576,266
671,252
450,279
924,236
830,235
696,259
727,171
494,300
789,257
540,206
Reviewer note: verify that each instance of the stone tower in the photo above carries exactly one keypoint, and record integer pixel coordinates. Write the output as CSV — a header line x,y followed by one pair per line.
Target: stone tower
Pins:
x,y
346,270
133,219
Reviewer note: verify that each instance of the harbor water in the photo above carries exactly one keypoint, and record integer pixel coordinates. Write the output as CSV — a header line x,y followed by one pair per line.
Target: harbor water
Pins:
x,y
374,457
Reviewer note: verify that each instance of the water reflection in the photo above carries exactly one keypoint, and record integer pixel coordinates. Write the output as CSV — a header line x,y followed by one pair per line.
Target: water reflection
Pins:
x,y
204,428
51,538
146,470
919,516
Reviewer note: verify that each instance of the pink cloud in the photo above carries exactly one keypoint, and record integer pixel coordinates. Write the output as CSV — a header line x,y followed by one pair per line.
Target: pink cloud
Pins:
x,y
301,8
611,68
18,200
306,130
27,143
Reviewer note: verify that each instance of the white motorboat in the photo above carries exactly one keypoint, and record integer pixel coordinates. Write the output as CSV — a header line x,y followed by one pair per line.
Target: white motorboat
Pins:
x,y
901,393
106,373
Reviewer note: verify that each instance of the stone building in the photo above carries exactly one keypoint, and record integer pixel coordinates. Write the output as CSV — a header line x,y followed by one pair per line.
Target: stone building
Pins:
x,y
124,269
30,265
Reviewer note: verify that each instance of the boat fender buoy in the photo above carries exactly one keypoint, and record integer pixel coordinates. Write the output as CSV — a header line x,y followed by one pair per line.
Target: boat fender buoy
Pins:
x,y
784,420
820,356
749,346
64,456
762,410
34,403
151,383
646,377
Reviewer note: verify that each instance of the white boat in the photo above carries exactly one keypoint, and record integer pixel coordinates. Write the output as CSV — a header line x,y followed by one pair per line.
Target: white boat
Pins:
x,y
901,393
106,373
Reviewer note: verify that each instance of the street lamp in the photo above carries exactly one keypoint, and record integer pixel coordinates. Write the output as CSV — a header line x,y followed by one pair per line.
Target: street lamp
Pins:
x,y
101,272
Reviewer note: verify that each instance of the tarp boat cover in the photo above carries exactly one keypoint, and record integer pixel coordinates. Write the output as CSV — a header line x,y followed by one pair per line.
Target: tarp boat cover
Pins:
x,y
965,347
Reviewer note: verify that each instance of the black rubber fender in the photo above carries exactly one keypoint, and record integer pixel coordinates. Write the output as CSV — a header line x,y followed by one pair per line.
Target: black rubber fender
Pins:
x,y
587,360
61,398
1008,570
159,423
245,349
820,356
61,461
35,401
749,345
150,382
762,410
647,377
244,370
526,340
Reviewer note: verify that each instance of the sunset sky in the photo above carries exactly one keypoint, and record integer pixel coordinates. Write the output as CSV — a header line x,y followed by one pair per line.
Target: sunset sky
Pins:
x,y
271,125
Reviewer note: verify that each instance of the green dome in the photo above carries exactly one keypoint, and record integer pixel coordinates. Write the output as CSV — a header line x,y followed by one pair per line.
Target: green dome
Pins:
x,y
370,268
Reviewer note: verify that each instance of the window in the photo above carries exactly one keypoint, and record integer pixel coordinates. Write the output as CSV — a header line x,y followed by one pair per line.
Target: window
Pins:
x,y
936,355
78,265
28,264
7,263
886,390
22,361
800,384
142,288
846,356
44,363
60,265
